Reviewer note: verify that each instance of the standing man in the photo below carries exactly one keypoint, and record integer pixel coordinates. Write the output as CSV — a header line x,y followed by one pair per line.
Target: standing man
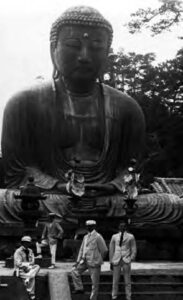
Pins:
x,y
91,254
122,250
25,267
52,232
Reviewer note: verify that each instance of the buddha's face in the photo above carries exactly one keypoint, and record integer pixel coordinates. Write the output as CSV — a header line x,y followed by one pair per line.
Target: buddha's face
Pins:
x,y
81,53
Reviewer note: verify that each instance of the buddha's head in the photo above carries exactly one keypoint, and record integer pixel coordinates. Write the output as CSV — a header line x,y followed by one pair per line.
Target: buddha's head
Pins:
x,y
80,40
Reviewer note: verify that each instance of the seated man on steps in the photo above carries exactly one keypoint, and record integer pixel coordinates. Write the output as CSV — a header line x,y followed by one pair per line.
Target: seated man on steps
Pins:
x,y
25,267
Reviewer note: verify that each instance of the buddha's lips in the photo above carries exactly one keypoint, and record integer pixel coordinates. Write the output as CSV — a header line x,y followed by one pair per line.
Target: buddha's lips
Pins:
x,y
84,69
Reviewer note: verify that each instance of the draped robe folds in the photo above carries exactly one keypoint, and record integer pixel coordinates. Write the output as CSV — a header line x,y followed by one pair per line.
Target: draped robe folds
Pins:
x,y
30,146
31,143
32,126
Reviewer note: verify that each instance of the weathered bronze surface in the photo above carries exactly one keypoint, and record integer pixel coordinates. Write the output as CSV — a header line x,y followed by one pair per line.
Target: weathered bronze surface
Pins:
x,y
75,121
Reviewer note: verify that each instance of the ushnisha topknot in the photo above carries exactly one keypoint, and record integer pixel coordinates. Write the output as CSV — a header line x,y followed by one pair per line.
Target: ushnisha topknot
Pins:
x,y
80,15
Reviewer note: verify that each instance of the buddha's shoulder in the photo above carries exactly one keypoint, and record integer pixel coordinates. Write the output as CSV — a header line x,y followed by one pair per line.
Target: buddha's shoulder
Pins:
x,y
32,95
121,101
117,95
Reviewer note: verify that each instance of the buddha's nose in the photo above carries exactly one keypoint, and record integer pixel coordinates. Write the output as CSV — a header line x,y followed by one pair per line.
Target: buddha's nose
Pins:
x,y
84,55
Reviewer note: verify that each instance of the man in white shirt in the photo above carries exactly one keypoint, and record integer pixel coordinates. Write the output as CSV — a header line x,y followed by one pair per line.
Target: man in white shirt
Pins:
x,y
25,267
122,250
51,233
92,251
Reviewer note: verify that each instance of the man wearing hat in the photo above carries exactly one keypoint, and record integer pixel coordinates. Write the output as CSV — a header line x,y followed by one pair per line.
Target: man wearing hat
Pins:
x,y
92,251
51,233
25,267
122,250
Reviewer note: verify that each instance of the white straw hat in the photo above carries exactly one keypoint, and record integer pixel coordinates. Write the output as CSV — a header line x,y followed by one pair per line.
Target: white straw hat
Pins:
x,y
90,222
26,238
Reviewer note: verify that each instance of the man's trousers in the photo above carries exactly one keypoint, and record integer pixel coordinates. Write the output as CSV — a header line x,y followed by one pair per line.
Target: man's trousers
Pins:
x,y
29,279
127,279
53,250
94,274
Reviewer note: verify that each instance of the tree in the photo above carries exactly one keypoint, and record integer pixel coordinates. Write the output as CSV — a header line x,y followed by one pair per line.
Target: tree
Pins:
x,y
157,20
159,91
128,71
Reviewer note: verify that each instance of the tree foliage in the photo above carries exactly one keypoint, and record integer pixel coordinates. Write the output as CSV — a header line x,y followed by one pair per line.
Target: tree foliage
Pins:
x,y
157,20
159,91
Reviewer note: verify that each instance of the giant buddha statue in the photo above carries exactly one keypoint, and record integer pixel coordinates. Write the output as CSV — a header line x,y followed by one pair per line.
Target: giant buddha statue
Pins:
x,y
74,121
75,124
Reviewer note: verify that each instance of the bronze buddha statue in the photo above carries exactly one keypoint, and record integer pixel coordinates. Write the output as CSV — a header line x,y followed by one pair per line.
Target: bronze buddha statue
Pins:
x,y
77,126
74,121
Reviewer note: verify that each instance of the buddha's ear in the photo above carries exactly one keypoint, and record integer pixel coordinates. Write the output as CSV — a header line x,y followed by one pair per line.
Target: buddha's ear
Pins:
x,y
52,53
54,61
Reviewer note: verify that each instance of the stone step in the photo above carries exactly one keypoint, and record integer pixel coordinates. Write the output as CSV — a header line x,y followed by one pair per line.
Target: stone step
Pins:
x,y
144,287
156,295
138,287
12,288
138,278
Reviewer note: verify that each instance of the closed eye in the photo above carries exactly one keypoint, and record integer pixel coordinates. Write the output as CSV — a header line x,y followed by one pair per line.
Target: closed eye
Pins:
x,y
72,43
98,44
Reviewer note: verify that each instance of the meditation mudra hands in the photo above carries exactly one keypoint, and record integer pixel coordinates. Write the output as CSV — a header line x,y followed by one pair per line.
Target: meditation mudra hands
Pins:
x,y
100,189
91,189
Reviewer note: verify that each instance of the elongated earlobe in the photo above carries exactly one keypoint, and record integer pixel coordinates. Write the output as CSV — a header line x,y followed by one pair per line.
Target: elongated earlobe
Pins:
x,y
55,74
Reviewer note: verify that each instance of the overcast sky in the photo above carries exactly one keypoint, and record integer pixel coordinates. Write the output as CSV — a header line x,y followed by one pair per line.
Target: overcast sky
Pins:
x,y
24,31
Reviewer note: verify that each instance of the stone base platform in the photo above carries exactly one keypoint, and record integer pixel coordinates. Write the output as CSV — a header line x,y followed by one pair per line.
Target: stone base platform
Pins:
x,y
149,281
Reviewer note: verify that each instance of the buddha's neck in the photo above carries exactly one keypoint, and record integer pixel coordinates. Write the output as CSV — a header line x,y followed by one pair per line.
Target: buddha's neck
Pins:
x,y
80,88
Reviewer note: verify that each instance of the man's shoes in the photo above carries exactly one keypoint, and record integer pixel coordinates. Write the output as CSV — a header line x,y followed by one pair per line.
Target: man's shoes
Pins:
x,y
39,256
78,292
32,297
51,267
